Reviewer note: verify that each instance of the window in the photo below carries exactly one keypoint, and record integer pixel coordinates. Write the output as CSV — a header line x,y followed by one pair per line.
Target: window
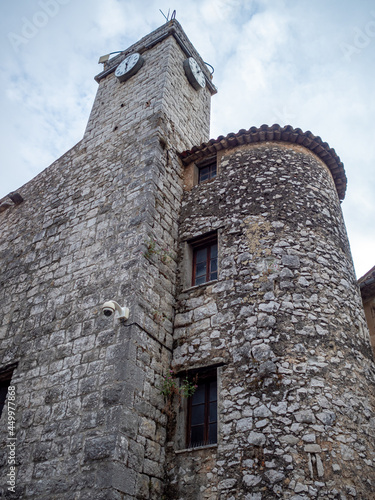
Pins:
x,y
200,262
202,171
207,172
205,259
202,412
5,378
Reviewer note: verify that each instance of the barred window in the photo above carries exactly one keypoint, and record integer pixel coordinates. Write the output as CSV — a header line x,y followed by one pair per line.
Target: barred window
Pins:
x,y
202,412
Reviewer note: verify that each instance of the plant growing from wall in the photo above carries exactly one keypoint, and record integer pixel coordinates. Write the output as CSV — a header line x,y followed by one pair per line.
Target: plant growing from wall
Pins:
x,y
170,386
153,248
150,248
159,317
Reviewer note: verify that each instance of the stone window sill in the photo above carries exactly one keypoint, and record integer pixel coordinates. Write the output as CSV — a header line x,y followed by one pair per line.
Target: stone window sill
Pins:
x,y
202,285
196,448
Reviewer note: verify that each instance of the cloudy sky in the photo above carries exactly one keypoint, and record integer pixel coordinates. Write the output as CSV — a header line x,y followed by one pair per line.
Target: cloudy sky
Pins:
x,y
298,62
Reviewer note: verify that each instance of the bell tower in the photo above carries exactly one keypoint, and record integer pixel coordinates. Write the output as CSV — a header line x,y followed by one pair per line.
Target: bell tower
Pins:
x,y
160,85
90,412
153,100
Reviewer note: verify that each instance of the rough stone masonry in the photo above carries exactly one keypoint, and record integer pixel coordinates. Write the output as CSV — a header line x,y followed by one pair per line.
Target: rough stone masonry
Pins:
x,y
284,324
89,413
281,325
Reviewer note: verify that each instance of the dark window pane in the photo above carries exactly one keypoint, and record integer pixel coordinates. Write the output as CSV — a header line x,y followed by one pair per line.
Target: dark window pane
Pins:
x,y
204,174
213,412
197,414
201,255
213,262
203,413
200,266
205,262
212,434
207,172
213,265
200,280
201,269
213,276
213,270
199,395
197,435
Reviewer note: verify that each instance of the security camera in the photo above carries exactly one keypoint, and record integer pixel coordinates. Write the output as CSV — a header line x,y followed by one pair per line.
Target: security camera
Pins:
x,y
108,308
111,307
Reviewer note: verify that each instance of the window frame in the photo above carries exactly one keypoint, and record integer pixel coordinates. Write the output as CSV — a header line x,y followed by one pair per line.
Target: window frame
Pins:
x,y
206,242
211,173
204,379
212,164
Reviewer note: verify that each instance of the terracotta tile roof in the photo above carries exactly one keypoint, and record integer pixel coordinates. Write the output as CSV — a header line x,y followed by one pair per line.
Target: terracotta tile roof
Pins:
x,y
274,133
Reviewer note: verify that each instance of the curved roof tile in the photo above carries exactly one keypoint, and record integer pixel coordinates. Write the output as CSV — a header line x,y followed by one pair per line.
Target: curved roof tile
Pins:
x,y
266,133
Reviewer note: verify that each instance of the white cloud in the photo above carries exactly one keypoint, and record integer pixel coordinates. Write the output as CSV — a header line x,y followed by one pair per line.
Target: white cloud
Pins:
x,y
274,62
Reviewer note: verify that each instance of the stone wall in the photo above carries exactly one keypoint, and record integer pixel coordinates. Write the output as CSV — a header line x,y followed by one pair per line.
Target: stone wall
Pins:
x,y
284,321
282,325
99,224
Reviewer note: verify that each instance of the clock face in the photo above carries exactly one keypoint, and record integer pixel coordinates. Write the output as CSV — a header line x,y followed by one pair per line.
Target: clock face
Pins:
x,y
129,66
194,73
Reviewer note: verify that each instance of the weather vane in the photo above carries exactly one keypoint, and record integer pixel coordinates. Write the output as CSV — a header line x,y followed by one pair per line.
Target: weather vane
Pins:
x,y
173,16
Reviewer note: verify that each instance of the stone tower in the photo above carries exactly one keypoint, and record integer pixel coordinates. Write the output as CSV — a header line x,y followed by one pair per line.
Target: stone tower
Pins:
x,y
281,329
232,258
101,224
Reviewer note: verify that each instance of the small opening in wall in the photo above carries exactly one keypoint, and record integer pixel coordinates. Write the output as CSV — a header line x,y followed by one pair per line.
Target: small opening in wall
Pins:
x,y
204,258
115,128
5,380
122,105
201,259
207,170
201,172
197,420
201,429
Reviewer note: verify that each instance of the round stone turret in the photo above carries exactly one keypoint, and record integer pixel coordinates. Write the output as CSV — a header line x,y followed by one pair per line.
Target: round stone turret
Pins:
x,y
282,324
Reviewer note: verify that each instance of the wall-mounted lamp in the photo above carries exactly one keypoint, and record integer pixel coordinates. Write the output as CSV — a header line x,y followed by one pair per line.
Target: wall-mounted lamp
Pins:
x,y
104,59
